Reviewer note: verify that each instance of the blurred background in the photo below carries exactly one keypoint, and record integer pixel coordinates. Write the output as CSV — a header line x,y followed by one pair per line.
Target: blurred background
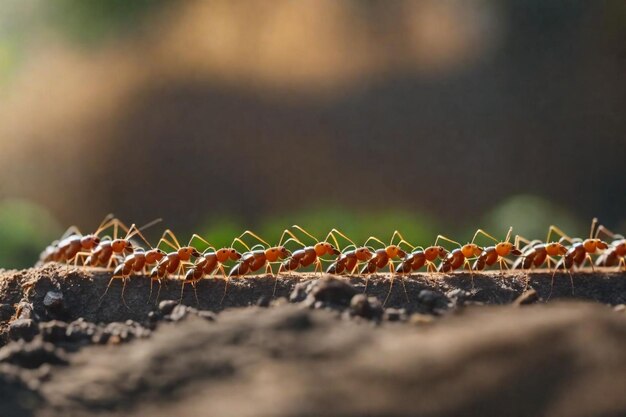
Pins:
x,y
434,116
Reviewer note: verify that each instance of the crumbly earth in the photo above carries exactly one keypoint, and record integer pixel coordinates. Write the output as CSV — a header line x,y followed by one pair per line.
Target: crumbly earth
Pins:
x,y
319,347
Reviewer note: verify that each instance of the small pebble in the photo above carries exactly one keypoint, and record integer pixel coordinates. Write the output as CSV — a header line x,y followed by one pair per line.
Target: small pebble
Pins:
x,y
166,306
53,300
366,307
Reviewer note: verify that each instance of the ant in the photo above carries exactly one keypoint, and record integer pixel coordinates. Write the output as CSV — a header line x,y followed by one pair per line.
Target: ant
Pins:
x,y
420,257
173,262
72,242
616,253
492,254
460,256
106,252
536,253
207,263
255,259
348,262
578,253
308,255
133,262
384,257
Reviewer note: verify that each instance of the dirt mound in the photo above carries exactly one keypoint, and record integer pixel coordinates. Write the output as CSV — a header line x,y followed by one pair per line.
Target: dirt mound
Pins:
x,y
327,350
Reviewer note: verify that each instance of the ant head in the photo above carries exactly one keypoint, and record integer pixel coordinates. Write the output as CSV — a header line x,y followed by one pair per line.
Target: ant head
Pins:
x,y
555,249
393,251
277,252
119,245
324,248
591,245
186,252
89,241
363,254
601,244
154,255
471,249
432,252
505,248
225,254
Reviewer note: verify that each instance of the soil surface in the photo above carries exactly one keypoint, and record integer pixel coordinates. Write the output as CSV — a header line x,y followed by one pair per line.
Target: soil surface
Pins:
x,y
487,345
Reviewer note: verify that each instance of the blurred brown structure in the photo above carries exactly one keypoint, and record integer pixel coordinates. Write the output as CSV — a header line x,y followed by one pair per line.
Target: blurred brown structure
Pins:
x,y
253,108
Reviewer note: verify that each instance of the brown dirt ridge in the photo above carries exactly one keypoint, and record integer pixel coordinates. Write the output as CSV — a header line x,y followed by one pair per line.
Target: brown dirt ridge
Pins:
x,y
319,347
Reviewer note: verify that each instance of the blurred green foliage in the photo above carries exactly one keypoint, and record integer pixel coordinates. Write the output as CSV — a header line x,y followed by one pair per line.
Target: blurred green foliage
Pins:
x,y
531,216
25,230
92,21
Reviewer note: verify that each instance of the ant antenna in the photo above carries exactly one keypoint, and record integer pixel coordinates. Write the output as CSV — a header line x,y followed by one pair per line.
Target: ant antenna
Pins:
x,y
594,221
295,226
442,237
248,232
481,231
293,237
374,239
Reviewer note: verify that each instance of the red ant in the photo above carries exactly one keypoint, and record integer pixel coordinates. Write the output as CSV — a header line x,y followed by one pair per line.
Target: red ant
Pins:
x,y
581,250
173,262
616,253
207,263
348,261
108,250
460,256
383,257
492,254
255,259
420,257
72,242
308,255
134,262
578,253
536,253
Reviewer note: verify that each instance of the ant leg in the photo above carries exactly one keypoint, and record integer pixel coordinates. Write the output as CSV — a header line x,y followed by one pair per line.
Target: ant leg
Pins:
x,y
559,232
291,237
481,231
150,295
124,280
588,257
248,232
318,266
72,230
332,234
471,271
389,292
442,237
158,291
374,238
402,239
78,256
226,281
114,277
195,292
392,271
138,233
170,234
201,239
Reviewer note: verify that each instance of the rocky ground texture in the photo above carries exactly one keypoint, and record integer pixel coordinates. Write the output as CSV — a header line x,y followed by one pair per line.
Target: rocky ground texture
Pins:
x,y
441,345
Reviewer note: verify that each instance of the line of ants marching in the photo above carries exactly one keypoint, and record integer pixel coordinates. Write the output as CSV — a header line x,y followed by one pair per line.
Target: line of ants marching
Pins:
x,y
124,253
